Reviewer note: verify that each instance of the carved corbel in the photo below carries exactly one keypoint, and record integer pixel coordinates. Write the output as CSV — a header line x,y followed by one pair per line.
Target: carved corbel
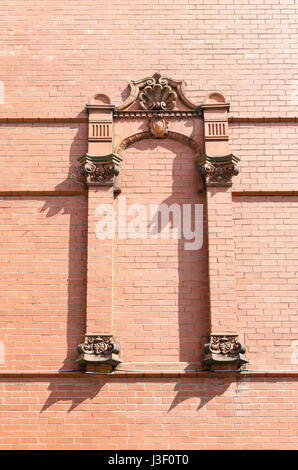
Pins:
x,y
224,349
99,349
218,171
101,170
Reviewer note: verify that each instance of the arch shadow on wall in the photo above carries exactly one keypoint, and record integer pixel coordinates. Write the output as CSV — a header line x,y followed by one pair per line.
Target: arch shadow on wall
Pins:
x,y
193,324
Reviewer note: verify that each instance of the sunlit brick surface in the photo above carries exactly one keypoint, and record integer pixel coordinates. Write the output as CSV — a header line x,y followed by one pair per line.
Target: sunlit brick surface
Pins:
x,y
55,55
136,414
266,272
160,288
43,280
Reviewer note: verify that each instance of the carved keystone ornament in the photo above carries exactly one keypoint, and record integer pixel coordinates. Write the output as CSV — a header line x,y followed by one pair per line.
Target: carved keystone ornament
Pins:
x,y
158,126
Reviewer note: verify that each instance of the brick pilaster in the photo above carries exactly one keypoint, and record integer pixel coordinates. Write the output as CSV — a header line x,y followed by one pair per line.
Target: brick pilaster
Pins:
x,y
101,168
218,166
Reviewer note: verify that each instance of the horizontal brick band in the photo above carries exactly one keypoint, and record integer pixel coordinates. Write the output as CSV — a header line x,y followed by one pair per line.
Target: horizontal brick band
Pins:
x,y
169,374
84,119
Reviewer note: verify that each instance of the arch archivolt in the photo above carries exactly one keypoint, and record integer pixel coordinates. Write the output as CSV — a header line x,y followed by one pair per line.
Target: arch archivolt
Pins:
x,y
176,136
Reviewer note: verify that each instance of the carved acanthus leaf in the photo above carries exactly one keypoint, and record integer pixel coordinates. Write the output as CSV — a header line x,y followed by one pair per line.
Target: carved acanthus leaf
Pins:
x,y
224,349
101,170
224,345
100,173
218,170
219,173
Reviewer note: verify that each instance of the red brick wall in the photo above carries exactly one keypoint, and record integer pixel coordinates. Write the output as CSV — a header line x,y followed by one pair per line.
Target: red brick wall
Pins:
x,y
95,413
268,153
36,157
266,273
43,280
160,289
54,56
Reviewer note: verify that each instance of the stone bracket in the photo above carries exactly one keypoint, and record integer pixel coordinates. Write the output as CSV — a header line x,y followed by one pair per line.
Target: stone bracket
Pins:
x,y
101,170
99,349
218,171
223,348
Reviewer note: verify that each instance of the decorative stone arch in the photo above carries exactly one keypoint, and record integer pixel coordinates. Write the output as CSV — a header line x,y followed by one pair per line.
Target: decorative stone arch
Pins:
x,y
188,141
158,109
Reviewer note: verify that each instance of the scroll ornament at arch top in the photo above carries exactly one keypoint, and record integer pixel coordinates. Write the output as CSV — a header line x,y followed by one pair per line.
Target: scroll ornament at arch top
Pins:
x,y
157,93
